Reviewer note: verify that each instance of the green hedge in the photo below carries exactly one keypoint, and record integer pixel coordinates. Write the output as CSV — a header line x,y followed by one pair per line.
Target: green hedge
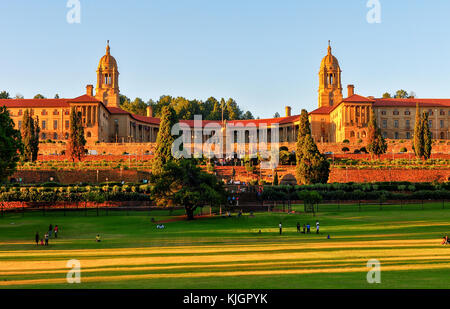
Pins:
x,y
56,196
363,191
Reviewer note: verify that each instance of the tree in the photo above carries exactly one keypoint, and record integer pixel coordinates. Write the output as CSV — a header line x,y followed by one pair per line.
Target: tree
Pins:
x,y
309,198
276,115
164,140
312,167
137,107
422,135
275,179
376,144
401,94
183,183
10,144
248,116
76,138
39,96
30,137
56,96
386,95
304,129
4,95
427,137
418,141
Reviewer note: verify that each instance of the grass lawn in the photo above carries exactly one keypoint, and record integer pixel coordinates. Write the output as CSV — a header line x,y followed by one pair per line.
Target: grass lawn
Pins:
x,y
230,253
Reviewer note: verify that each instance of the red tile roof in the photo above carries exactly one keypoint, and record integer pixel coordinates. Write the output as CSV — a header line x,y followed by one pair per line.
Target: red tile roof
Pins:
x,y
323,110
34,103
358,99
117,111
412,102
146,119
85,99
268,121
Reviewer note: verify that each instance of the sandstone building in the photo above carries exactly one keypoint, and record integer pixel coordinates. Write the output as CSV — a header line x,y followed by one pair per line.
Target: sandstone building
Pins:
x,y
336,119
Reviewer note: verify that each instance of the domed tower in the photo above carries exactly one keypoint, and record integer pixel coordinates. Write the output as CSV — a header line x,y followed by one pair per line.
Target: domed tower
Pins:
x,y
330,86
107,89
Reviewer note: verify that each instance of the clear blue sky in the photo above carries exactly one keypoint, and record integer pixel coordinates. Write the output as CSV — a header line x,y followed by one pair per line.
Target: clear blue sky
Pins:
x,y
264,54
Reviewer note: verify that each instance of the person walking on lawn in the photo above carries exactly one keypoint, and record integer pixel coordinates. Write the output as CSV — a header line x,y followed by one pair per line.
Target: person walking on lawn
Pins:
x,y
46,239
281,228
56,231
298,227
50,229
37,238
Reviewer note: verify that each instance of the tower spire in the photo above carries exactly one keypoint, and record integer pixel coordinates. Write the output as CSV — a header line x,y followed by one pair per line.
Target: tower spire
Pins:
x,y
107,47
329,47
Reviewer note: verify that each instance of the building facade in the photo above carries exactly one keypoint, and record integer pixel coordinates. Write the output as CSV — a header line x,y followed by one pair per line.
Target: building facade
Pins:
x,y
336,119
103,119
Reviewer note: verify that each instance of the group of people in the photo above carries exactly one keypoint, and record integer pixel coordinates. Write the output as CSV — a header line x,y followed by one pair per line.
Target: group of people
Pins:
x,y
47,235
445,240
306,228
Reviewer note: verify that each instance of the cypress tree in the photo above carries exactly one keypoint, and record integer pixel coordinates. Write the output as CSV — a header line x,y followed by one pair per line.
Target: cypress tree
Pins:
x,y
313,167
30,137
418,141
427,137
76,138
164,140
275,179
304,128
376,143
10,144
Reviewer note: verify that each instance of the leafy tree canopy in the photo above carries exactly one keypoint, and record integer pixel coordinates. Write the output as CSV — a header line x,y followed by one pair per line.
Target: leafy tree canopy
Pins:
x,y
183,183
185,109
10,144
4,95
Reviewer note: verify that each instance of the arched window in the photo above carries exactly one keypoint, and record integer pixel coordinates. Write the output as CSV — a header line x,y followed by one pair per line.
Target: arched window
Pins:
x,y
442,135
88,134
363,134
55,135
352,134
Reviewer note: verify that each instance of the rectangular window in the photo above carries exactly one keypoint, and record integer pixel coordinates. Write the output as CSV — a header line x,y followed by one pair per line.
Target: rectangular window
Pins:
x,y
384,123
67,124
383,112
430,123
407,124
396,135
442,124
396,112
395,123
407,112
55,124
44,124
20,124
408,135
442,112
20,112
